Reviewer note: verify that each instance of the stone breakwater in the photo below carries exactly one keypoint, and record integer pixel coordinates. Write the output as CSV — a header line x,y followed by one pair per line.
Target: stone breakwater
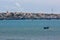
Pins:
x,y
22,15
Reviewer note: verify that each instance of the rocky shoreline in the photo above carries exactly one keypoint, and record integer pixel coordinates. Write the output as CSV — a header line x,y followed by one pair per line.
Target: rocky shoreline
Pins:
x,y
22,15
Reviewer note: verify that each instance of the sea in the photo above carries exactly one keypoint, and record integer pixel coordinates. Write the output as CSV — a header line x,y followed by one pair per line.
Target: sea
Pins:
x,y
29,29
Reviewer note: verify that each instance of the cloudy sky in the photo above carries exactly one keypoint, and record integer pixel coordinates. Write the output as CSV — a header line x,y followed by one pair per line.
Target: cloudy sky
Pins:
x,y
30,5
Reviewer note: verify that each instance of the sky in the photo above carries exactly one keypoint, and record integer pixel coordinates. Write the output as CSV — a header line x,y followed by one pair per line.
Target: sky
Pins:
x,y
30,5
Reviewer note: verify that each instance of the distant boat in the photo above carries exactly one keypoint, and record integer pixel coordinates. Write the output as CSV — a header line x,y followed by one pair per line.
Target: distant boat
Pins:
x,y
46,27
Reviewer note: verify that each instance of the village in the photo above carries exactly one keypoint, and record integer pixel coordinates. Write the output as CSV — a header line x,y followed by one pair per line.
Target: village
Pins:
x,y
23,15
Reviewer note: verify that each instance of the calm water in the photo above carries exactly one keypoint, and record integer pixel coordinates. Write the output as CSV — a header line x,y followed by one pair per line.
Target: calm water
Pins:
x,y
29,30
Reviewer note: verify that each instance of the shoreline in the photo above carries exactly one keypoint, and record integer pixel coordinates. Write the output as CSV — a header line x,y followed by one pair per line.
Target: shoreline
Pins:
x,y
24,16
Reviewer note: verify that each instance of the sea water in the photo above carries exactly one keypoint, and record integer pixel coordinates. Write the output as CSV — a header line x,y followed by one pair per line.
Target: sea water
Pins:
x,y
29,30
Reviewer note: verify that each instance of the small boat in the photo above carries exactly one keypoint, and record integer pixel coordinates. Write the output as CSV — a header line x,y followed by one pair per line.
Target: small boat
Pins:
x,y
46,27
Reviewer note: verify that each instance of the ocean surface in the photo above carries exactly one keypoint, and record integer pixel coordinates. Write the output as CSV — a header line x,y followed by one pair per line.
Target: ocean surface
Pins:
x,y
29,30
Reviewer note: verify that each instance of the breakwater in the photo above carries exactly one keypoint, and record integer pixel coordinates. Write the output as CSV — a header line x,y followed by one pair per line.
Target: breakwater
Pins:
x,y
22,15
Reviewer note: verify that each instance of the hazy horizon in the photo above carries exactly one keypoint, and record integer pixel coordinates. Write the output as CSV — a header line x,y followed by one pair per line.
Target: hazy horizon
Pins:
x,y
30,5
